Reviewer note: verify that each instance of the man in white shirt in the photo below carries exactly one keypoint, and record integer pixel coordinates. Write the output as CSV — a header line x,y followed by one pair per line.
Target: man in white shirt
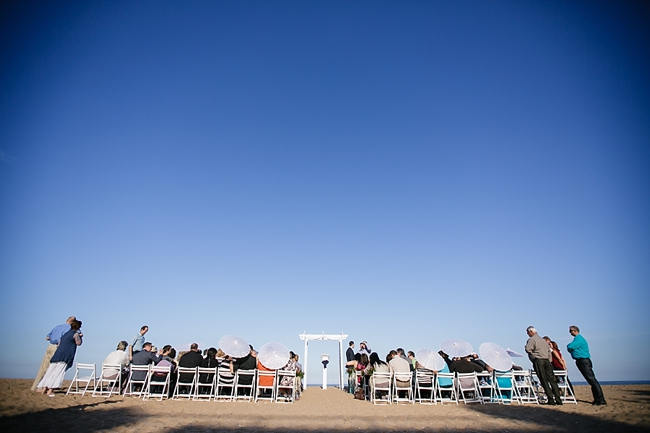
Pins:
x,y
400,368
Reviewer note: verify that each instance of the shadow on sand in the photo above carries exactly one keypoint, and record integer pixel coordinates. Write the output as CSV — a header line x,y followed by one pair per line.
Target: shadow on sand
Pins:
x,y
72,419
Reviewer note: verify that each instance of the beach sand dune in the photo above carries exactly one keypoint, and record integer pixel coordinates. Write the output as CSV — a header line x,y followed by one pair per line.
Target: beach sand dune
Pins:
x,y
22,410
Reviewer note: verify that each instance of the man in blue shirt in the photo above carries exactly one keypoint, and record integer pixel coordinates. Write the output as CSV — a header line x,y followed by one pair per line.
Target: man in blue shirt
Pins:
x,y
138,342
53,337
579,350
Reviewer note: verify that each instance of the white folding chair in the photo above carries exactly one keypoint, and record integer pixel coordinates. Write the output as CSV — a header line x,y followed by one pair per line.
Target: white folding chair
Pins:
x,y
505,388
425,386
524,388
537,386
380,384
260,390
286,385
158,383
137,382
84,374
562,377
244,385
402,385
109,382
225,385
486,387
205,383
445,388
468,390
185,383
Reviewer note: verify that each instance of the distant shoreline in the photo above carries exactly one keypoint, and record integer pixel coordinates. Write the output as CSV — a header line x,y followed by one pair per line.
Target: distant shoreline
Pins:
x,y
602,382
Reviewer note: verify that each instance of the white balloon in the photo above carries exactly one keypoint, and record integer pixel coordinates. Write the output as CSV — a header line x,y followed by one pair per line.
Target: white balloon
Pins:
x,y
236,347
457,348
273,355
495,356
430,359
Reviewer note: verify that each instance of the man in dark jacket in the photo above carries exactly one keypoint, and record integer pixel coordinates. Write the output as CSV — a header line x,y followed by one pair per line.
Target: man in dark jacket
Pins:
x,y
145,357
191,359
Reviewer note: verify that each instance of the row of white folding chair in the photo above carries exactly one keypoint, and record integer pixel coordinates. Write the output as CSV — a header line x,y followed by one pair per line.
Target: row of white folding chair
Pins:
x,y
562,378
387,387
84,375
224,386
151,381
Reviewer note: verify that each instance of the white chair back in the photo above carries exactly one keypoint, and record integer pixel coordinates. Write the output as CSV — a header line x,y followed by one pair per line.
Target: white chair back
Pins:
x,y
524,389
468,390
245,385
185,383
445,388
205,383
261,388
425,387
402,387
562,377
158,382
505,386
84,375
109,381
381,387
286,388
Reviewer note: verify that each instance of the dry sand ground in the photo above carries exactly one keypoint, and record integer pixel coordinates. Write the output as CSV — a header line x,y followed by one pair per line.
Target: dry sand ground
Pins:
x,y
317,411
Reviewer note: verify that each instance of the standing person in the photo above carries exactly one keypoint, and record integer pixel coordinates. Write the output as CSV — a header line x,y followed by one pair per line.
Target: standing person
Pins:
x,y
579,350
138,341
539,353
349,356
558,361
61,360
364,349
53,339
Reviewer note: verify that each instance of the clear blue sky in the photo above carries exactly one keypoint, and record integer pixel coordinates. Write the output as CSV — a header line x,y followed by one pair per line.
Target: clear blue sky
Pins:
x,y
404,172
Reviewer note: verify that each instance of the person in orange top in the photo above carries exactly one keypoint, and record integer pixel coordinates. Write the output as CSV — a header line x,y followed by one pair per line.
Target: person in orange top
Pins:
x,y
264,380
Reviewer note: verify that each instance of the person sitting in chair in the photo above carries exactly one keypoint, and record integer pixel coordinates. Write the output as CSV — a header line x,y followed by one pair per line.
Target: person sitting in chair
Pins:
x,y
118,357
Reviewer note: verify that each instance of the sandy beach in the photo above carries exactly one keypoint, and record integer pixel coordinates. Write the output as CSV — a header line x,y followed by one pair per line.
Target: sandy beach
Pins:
x,y
331,410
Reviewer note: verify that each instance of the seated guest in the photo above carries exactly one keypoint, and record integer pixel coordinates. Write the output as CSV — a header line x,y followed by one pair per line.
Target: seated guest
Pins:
x,y
248,362
168,355
461,365
476,360
145,357
414,363
378,366
191,359
117,357
292,365
210,360
399,365
264,381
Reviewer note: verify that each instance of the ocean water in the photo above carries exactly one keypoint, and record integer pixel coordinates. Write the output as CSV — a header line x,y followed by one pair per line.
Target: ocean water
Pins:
x,y
616,382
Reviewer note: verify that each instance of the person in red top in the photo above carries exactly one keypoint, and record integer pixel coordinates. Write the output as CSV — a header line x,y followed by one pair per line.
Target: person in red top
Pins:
x,y
558,361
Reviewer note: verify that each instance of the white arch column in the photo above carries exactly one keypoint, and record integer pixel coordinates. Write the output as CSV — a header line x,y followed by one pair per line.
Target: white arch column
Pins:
x,y
324,337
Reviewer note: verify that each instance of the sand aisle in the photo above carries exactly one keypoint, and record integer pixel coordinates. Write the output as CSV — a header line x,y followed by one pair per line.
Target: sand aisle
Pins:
x,y
25,411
